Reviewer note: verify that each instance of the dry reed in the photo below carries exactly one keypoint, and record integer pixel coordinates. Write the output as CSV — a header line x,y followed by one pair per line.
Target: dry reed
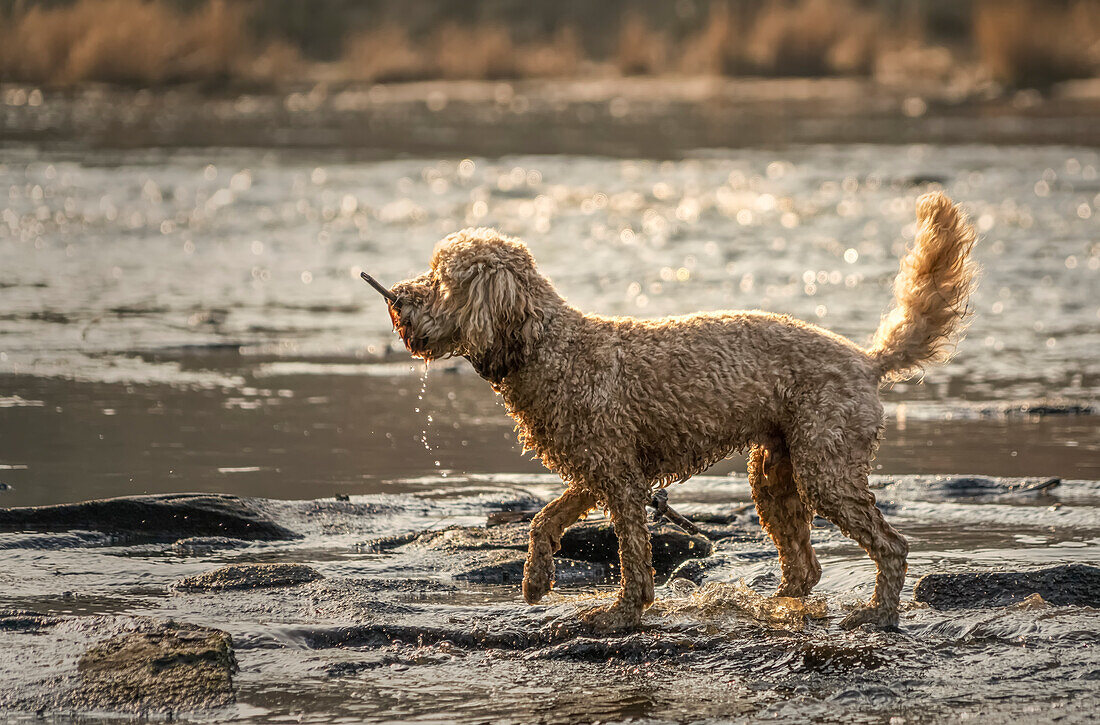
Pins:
x,y
385,54
124,41
640,49
561,56
812,38
1028,43
150,42
717,49
474,52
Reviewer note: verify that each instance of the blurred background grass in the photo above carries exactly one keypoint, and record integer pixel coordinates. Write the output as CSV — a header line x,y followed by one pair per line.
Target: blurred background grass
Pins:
x,y
1012,43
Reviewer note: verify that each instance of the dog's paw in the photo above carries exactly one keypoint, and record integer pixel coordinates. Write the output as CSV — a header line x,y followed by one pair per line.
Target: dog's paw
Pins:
x,y
797,590
535,588
614,617
876,617
537,581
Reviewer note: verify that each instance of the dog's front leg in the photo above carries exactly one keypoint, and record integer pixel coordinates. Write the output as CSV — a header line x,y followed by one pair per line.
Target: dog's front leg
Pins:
x,y
546,530
635,566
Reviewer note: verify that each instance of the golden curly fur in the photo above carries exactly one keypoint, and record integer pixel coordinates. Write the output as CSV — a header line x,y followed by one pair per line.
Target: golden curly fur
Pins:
x,y
617,405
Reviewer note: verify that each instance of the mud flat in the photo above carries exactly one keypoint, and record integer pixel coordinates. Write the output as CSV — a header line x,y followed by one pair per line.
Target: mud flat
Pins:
x,y
364,605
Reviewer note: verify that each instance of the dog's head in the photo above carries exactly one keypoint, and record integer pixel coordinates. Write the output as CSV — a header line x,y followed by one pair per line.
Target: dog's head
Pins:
x,y
482,298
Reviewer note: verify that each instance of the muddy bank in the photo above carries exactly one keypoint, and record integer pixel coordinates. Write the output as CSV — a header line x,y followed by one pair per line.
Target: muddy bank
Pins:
x,y
161,667
648,117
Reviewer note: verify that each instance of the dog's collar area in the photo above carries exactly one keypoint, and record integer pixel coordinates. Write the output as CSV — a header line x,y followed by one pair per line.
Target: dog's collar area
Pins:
x,y
493,371
494,368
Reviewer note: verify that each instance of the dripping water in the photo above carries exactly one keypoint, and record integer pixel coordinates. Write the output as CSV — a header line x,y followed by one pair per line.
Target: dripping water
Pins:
x,y
428,419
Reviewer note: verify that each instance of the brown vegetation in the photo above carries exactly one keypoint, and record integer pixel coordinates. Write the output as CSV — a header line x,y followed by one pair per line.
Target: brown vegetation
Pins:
x,y
716,49
1030,43
786,38
457,52
641,50
384,54
813,38
152,42
125,41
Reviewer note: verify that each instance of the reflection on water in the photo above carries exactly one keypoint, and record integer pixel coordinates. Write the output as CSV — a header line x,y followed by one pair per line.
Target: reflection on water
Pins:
x,y
304,436
155,250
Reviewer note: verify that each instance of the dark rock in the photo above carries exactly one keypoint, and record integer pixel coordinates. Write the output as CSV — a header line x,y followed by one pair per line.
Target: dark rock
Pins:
x,y
639,647
1040,409
567,572
595,541
158,517
401,586
520,634
248,576
584,544
474,538
385,543
498,518
199,545
23,620
695,570
977,486
964,487
1067,584
163,667
63,540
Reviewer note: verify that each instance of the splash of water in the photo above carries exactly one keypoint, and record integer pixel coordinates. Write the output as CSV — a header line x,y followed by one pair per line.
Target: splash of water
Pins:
x,y
718,598
428,420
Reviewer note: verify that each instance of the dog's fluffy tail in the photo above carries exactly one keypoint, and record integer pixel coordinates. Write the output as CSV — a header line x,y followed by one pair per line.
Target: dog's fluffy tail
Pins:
x,y
930,293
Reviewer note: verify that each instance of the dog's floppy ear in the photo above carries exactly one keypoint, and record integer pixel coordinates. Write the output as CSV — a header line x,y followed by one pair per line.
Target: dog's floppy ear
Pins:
x,y
498,323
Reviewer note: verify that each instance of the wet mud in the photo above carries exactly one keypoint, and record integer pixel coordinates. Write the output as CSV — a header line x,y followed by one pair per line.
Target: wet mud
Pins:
x,y
1070,584
370,602
162,667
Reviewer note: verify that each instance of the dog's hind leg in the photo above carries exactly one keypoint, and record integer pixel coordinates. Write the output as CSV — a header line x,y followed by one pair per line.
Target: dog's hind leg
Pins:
x,y
546,530
785,517
635,565
837,489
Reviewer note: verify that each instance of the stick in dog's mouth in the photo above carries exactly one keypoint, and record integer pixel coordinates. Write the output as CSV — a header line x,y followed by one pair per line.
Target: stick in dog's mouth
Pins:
x,y
382,290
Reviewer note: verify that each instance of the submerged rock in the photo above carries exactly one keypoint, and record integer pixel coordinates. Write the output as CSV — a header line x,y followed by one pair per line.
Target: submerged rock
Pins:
x,y
597,542
61,540
163,666
1068,584
162,517
199,545
23,620
567,572
248,576
589,550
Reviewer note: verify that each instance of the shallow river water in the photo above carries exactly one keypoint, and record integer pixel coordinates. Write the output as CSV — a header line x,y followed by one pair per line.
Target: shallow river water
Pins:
x,y
194,321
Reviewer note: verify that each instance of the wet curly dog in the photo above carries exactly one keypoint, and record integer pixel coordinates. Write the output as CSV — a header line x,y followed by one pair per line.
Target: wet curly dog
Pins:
x,y
618,406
